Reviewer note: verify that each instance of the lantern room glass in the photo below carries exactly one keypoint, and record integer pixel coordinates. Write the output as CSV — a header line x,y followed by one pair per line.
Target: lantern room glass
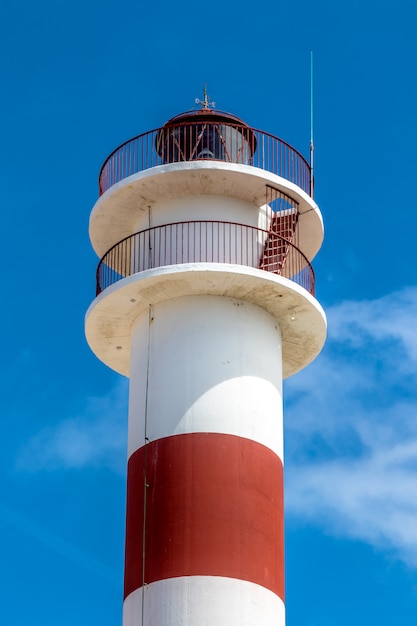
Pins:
x,y
206,140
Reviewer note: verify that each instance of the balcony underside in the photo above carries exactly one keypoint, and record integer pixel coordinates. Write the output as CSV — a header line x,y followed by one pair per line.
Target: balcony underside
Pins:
x,y
111,315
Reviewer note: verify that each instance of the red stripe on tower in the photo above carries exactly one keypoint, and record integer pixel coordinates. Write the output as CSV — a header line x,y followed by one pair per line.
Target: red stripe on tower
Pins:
x,y
214,507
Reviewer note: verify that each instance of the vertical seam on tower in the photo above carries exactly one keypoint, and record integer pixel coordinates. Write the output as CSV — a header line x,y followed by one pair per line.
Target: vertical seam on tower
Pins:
x,y
151,260
145,457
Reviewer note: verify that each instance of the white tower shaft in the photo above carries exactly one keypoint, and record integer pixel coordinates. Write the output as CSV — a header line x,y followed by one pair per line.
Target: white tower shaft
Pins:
x,y
205,475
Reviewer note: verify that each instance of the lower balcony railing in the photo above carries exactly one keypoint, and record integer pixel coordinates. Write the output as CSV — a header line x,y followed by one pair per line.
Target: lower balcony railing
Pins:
x,y
204,242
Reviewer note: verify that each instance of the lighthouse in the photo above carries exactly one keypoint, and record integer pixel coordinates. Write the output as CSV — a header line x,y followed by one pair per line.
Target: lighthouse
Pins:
x,y
205,299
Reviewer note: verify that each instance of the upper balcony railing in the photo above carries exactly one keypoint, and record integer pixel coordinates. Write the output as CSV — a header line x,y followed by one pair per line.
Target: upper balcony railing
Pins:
x,y
220,141
204,242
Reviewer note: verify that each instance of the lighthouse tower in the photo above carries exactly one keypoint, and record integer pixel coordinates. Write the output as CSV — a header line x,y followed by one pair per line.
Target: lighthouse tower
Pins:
x,y
206,229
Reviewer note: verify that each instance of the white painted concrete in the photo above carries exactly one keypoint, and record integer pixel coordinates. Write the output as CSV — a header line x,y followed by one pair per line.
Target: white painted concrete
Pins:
x,y
206,364
111,316
203,601
203,207
199,240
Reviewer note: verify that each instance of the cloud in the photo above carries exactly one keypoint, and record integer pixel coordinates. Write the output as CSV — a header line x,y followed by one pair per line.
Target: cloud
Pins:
x,y
97,437
391,318
351,427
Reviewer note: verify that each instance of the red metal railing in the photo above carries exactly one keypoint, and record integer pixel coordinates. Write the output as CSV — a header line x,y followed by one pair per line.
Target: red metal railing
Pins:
x,y
232,143
204,242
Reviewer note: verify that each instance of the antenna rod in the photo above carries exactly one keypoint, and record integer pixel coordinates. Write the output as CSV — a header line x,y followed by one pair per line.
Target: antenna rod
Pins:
x,y
311,128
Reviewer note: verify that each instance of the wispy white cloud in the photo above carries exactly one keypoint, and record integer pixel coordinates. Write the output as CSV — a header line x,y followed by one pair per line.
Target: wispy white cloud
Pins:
x,y
351,427
96,437
392,317
350,421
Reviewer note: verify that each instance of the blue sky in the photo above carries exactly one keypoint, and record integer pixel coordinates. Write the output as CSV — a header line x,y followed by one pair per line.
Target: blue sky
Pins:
x,y
79,78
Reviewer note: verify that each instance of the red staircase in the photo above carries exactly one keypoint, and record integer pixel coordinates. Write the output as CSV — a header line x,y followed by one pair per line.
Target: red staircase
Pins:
x,y
278,242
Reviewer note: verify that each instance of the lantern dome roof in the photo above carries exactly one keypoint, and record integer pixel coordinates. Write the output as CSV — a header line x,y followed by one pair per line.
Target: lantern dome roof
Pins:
x,y
205,114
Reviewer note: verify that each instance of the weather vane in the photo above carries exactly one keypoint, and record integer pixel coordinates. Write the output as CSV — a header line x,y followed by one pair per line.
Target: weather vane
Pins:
x,y
206,104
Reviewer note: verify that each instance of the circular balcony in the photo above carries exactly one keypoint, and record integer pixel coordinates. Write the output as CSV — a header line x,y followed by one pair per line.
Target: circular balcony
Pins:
x,y
205,242
206,140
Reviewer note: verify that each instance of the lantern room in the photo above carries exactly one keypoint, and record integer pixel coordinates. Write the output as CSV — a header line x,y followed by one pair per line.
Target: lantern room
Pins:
x,y
206,134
